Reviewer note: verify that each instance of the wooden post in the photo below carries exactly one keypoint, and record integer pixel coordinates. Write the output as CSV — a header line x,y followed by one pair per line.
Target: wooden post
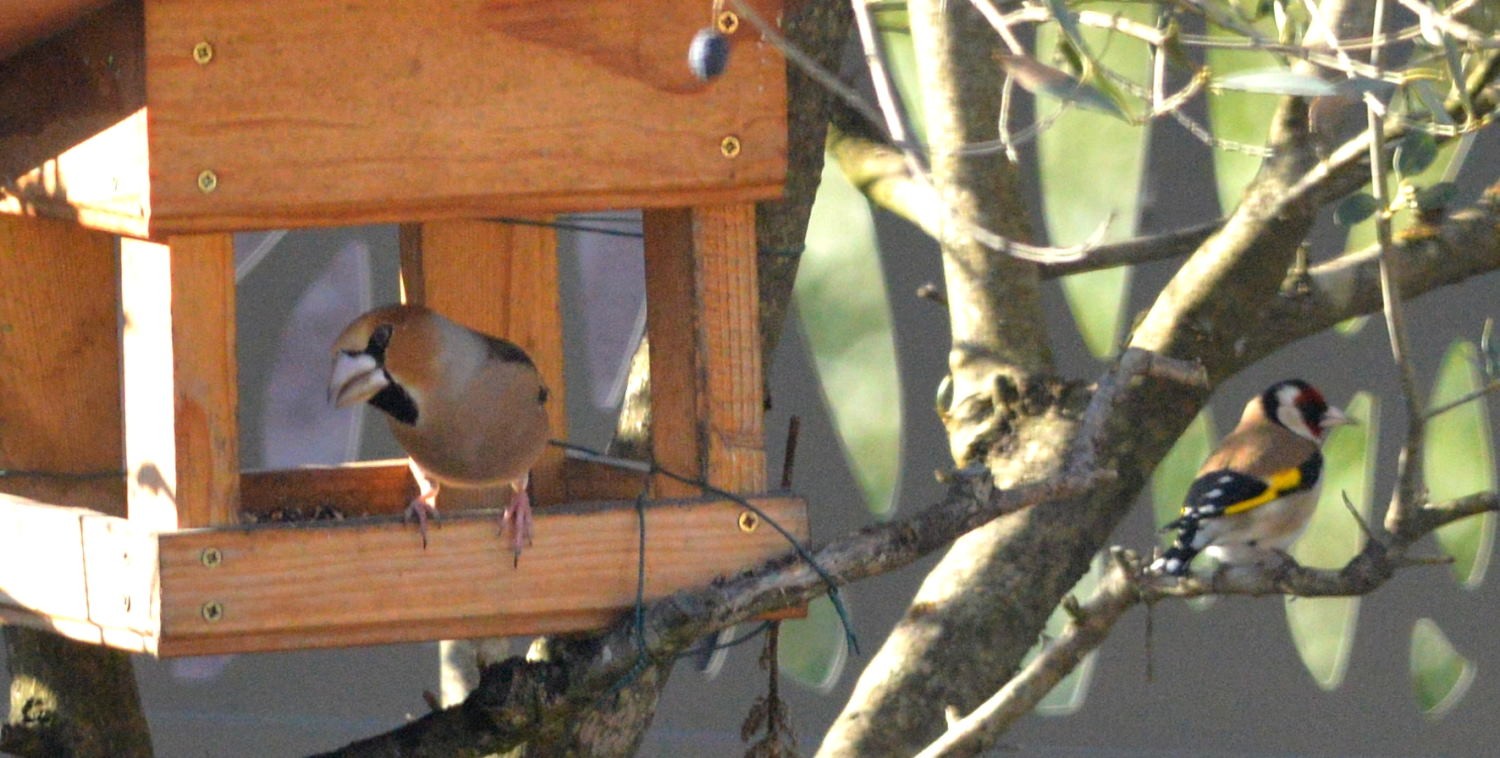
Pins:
x,y
60,385
60,414
499,279
181,432
702,315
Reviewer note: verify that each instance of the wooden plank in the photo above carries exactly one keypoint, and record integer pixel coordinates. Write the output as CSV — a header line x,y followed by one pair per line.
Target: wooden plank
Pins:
x,y
501,279
60,347
78,573
449,110
27,22
586,481
703,320
673,326
352,490
367,583
181,435
74,141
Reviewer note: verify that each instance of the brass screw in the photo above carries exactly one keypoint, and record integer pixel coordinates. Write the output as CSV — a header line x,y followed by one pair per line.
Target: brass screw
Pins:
x,y
749,522
729,147
203,53
212,611
727,22
211,557
208,181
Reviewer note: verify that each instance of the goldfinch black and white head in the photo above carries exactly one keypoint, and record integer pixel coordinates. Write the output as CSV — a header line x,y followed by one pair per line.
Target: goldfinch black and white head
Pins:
x,y
1300,407
1256,492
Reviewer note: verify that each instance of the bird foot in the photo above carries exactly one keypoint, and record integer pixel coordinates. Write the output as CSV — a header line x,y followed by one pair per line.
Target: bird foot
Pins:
x,y
517,520
422,509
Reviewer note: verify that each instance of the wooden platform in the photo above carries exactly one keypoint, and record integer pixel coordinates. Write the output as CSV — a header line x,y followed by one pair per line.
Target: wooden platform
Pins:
x,y
359,581
137,141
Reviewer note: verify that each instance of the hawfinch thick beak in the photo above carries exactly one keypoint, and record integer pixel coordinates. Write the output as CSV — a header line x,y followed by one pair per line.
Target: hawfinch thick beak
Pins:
x,y
356,378
1335,417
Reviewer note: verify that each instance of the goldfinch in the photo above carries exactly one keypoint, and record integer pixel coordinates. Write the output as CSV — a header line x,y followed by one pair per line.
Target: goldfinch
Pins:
x,y
1256,492
467,407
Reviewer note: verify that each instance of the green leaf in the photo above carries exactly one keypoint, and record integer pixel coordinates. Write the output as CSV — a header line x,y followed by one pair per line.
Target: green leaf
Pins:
x,y
845,312
1090,169
1453,60
1458,460
1040,79
1323,628
1440,677
1355,208
1068,696
813,650
1432,101
1067,21
1417,151
1362,234
1276,81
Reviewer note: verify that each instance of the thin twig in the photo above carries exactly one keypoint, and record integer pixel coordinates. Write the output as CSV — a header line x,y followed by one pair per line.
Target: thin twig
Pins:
x,y
1405,497
1358,518
1468,398
887,96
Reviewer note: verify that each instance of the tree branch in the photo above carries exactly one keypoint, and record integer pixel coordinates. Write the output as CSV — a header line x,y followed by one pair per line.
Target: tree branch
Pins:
x,y
1125,585
503,711
1466,244
881,172
519,699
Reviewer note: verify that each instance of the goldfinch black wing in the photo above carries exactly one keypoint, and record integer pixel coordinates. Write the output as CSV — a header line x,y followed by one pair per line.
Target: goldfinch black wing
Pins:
x,y
1223,493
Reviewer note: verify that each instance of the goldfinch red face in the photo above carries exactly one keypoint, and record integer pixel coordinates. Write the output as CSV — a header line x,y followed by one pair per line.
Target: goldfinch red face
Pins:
x,y
1300,408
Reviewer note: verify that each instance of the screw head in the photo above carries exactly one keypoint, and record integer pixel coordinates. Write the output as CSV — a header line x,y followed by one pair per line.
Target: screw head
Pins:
x,y
749,522
208,181
210,557
730,146
212,611
727,22
203,52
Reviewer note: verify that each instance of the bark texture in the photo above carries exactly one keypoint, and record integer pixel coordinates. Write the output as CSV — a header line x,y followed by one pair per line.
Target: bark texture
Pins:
x,y
71,700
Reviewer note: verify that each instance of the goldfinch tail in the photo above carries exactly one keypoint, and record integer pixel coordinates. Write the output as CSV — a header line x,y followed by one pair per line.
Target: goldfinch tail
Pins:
x,y
1176,560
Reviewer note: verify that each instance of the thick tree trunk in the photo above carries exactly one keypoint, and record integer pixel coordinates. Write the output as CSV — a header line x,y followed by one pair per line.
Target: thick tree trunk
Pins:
x,y
71,700
982,607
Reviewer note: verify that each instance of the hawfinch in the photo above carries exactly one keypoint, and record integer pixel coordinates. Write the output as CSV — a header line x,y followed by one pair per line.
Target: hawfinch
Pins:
x,y
467,407
1256,492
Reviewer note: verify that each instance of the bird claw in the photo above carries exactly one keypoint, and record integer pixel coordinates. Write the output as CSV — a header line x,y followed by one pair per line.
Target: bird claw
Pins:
x,y
421,509
517,520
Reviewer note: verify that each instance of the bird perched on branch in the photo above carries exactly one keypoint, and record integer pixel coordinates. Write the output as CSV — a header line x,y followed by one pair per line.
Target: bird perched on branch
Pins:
x,y
467,407
1257,491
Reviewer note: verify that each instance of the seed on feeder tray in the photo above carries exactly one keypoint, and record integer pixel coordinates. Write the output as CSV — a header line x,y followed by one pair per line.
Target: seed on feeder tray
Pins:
x,y
708,55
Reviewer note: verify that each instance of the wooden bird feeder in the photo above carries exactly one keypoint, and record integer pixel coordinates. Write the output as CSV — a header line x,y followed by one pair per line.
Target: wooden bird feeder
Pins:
x,y
169,124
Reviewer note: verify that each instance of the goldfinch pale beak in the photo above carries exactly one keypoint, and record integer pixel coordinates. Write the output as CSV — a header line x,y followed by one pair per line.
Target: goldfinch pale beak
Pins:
x,y
1335,417
355,379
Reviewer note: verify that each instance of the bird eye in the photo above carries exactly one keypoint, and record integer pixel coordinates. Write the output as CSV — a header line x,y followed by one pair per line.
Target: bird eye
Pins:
x,y
379,339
